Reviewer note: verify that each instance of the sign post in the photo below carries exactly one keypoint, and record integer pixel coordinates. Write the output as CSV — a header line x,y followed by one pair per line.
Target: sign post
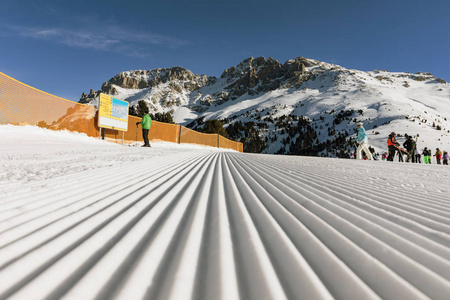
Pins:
x,y
113,114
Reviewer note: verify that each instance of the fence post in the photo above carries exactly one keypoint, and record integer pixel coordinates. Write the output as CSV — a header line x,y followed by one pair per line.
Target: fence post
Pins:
x,y
179,136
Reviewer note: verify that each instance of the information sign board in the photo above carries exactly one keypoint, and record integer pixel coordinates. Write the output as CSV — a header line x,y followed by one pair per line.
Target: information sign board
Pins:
x,y
112,113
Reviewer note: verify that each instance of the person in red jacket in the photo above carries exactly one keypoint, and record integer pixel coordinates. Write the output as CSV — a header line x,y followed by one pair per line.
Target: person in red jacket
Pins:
x,y
438,155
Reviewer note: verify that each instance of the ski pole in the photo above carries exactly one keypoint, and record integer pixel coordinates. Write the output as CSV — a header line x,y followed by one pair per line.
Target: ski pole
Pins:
x,y
137,126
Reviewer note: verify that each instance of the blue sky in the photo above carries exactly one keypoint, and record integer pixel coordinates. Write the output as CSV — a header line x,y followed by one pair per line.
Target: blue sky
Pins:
x,y
68,47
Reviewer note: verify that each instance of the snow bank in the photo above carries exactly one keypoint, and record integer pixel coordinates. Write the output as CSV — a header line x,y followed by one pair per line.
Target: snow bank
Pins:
x,y
30,153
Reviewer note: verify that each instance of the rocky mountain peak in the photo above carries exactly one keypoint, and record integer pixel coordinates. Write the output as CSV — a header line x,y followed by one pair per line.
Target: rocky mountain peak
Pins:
x,y
168,85
255,75
143,79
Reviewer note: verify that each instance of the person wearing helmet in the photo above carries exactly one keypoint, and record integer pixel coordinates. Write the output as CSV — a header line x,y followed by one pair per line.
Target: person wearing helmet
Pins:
x,y
392,146
426,155
438,155
361,138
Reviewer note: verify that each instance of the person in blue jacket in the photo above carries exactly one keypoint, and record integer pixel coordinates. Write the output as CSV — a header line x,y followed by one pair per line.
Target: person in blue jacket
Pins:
x,y
146,123
361,138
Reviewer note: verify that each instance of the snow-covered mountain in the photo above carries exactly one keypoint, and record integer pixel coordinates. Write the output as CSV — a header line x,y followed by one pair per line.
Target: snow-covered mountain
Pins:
x,y
303,106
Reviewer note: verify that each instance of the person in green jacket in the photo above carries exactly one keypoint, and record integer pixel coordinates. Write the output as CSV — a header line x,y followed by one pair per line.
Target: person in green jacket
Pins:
x,y
146,123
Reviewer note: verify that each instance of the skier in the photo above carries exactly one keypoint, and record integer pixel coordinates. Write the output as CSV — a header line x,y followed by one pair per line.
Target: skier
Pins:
x,y
417,155
410,146
445,158
146,123
438,155
392,146
426,156
361,138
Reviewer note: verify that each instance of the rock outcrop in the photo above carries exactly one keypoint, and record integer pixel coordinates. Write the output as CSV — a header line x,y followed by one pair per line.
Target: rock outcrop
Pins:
x,y
253,76
165,89
138,80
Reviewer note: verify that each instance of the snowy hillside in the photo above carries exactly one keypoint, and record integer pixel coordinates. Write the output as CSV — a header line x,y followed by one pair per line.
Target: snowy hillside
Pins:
x,y
81,218
269,97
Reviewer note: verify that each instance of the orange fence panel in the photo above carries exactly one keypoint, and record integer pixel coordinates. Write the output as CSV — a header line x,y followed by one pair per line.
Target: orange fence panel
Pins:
x,y
21,104
193,137
226,143
240,147
164,132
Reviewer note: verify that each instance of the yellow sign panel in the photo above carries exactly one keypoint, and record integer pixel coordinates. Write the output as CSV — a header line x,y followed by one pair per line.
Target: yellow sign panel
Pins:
x,y
112,113
105,107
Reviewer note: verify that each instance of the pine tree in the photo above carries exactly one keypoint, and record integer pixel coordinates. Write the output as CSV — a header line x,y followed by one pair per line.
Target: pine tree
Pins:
x,y
214,126
140,109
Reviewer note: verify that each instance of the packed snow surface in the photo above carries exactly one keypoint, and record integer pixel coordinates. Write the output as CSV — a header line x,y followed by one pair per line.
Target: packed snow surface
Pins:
x,y
81,218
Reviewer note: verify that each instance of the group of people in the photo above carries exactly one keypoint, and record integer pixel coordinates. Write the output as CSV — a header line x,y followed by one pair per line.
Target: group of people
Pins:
x,y
413,154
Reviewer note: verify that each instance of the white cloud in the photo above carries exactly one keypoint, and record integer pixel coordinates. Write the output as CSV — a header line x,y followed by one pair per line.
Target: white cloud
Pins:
x,y
105,38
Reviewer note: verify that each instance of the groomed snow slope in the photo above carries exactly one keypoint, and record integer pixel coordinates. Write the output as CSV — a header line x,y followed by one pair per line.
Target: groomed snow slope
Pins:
x,y
198,223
